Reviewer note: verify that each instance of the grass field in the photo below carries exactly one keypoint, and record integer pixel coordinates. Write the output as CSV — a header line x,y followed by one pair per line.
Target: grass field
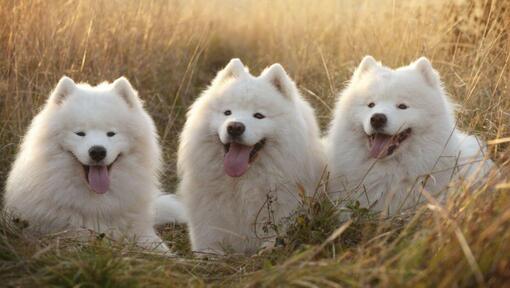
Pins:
x,y
170,50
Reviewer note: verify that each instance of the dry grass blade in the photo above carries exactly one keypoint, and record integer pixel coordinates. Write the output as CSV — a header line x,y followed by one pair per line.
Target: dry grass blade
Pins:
x,y
170,51
436,206
498,141
503,186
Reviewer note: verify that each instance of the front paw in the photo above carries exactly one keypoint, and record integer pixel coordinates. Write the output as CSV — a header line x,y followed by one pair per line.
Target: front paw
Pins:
x,y
207,254
267,247
270,245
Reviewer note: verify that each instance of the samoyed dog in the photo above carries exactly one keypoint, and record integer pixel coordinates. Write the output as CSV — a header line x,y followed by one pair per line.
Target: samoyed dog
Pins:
x,y
250,147
394,134
89,161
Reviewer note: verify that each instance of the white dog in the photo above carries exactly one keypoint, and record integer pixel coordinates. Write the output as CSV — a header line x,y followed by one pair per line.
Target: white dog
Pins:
x,y
394,134
249,145
90,160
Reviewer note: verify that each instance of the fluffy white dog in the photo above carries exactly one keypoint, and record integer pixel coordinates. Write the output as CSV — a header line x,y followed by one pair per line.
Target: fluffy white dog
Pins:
x,y
89,160
394,134
249,145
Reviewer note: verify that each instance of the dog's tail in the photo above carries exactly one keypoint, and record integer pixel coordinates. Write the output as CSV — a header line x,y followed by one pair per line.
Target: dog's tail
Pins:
x,y
169,208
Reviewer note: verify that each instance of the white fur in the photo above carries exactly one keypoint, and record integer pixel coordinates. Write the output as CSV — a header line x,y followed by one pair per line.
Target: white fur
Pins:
x,y
224,212
435,148
169,208
47,185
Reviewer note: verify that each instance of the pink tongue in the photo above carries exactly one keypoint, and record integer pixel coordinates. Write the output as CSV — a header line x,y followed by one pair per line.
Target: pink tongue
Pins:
x,y
99,179
379,146
237,160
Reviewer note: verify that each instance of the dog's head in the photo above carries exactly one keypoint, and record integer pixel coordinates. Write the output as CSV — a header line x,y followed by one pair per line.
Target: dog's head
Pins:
x,y
248,113
95,125
393,106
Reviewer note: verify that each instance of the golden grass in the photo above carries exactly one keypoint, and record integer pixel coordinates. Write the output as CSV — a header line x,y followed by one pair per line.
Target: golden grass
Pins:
x,y
170,50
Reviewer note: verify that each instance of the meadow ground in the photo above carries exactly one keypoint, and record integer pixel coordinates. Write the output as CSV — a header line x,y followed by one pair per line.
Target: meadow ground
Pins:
x,y
170,50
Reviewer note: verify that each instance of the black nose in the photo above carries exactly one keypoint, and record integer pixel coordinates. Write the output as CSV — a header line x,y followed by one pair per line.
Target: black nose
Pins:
x,y
378,120
97,153
235,129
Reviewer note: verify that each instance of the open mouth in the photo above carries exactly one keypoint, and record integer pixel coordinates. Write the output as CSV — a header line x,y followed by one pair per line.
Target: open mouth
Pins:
x,y
98,176
238,157
383,145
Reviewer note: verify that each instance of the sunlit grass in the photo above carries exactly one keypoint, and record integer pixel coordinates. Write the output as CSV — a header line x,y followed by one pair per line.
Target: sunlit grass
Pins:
x,y
170,50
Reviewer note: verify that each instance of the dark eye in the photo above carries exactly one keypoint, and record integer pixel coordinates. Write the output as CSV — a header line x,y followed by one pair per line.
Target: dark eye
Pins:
x,y
110,134
227,112
81,134
402,106
371,105
259,116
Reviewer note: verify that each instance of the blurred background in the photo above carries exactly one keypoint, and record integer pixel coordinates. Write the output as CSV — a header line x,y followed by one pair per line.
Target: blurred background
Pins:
x,y
170,50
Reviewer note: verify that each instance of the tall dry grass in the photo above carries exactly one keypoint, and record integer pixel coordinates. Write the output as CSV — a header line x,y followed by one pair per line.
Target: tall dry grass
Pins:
x,y
170,50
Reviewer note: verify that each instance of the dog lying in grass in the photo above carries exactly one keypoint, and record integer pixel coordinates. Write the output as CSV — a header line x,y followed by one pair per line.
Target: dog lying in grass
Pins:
x,y
249,146
89,160
394,135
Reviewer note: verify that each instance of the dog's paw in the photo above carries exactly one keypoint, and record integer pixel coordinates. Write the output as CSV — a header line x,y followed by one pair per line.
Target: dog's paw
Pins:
x,y
208,254
267,247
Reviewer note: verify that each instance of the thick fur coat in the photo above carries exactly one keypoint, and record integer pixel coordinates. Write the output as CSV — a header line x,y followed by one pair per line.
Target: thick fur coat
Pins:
x,y
89,161
394,135
238,186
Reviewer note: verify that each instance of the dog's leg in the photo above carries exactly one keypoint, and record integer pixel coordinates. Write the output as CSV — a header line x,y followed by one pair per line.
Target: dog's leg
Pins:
x,y
145,236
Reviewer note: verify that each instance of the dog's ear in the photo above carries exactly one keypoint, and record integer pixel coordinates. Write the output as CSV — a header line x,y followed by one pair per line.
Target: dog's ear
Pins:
x,y
425,68
64,88
126,91
234,69
276,75
367,63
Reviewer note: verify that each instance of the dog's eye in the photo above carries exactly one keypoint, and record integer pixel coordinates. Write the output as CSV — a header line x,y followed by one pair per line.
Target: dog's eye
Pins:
x,y
402,106
371,105
110,134
227,112
259,116
81,134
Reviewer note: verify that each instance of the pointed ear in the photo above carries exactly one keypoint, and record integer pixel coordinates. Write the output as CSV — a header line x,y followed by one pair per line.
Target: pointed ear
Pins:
x,y
425,68
234,69
126,91
367,63
64,88
276,75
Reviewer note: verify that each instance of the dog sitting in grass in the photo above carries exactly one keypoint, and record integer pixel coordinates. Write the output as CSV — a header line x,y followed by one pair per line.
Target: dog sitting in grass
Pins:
x,y
90,160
